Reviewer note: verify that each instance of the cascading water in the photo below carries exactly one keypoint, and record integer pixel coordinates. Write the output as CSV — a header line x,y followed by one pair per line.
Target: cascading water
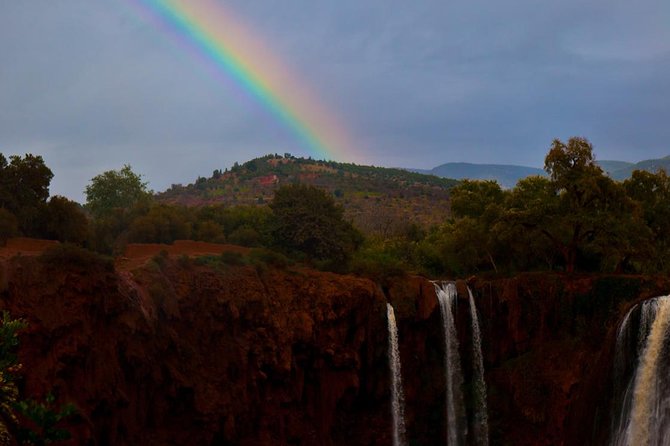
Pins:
x,y
481,419
456,419
644,411
398,400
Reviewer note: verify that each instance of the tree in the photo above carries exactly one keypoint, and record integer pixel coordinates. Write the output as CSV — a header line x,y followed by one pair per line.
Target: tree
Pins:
x,y
24,182
477,206
652,192
24,189
115,189
65,221
578,208
307,220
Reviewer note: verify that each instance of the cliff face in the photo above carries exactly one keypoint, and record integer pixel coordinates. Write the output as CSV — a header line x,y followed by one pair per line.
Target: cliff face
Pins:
x,y
176,353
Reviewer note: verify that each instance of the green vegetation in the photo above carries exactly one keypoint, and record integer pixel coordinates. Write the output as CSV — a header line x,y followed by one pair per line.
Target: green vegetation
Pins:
x,y
24,421
113,190
371,221
577,219
24,209
307,221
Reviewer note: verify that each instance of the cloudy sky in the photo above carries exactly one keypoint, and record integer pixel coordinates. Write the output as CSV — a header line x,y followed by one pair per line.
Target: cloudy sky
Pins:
x,y
93,84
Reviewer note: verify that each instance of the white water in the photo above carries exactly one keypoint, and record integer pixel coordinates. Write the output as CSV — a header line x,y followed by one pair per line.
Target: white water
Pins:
x,y
398,400
645,411
456,421
481,418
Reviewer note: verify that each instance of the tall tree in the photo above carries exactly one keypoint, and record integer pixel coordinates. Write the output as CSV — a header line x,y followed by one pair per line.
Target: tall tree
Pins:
x,y
24,189
652,192
113,190
580,207
307,220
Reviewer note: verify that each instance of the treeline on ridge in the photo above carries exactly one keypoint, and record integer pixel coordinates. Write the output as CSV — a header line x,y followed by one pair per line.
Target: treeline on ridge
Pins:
x,y
576,219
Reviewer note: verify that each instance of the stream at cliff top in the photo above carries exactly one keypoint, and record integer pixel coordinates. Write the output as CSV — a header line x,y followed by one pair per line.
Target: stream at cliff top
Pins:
x,y
642,412
398,400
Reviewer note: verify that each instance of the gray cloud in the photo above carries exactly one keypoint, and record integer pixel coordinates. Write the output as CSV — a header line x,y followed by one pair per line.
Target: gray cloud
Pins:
x,y
93,84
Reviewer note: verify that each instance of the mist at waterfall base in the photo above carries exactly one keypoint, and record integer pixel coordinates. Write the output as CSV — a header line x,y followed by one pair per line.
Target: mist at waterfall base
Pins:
x,y
641,412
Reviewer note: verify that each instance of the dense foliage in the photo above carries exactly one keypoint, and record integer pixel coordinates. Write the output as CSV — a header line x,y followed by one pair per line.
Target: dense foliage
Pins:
x,y
574,219
307,220
25,207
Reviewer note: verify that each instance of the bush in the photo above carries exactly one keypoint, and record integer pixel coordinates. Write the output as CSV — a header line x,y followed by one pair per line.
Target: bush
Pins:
x,y
265,257
376,263
232,258
307,220
9,226
75,256
65,221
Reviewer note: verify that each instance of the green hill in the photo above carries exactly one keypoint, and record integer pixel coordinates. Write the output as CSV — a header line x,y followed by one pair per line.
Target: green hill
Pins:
x,y
378,200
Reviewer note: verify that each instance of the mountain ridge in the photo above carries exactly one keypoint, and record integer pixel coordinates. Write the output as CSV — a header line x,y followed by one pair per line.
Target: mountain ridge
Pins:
x,y
507,175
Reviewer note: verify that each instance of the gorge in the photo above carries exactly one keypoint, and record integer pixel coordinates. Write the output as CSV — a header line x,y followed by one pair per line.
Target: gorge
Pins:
x,y
176,351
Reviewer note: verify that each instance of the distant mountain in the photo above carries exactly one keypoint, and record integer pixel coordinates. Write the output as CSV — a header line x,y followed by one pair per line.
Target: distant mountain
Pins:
x,y
506,175
610,166
652,165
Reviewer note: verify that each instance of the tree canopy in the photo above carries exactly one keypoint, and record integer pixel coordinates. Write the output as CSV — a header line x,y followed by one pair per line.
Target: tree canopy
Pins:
x,y
115,189
24,190
307,220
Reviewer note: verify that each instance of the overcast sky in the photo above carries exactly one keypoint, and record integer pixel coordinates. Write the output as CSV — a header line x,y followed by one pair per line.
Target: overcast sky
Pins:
x,y
93,84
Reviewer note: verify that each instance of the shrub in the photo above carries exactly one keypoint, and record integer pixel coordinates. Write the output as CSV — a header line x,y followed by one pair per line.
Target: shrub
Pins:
x,y
9,226
265,257
75,256
232,258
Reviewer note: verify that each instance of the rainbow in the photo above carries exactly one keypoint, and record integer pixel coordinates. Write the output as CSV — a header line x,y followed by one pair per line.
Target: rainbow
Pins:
x,y
212,29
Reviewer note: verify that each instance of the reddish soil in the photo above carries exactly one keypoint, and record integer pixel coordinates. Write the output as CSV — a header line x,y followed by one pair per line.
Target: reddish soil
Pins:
x,y
25,246
135,254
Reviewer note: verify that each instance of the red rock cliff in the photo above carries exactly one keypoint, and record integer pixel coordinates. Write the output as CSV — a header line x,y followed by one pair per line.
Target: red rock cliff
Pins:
x,y
178,354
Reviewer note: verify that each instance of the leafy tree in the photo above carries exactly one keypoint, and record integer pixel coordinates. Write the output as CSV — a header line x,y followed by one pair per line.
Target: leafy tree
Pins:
x,y
307,220
24,182
652,192
24,189
66,221
115,189
477,205
162,224
474,198
579,208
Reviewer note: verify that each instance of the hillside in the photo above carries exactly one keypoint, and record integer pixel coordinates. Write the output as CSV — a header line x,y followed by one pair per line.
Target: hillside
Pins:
x,y
377,199
610,166
507,175
651,165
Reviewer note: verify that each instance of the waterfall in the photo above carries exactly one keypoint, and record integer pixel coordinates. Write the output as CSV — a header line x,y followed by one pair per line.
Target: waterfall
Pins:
x,y
398,400
481,419
456,420
644,415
